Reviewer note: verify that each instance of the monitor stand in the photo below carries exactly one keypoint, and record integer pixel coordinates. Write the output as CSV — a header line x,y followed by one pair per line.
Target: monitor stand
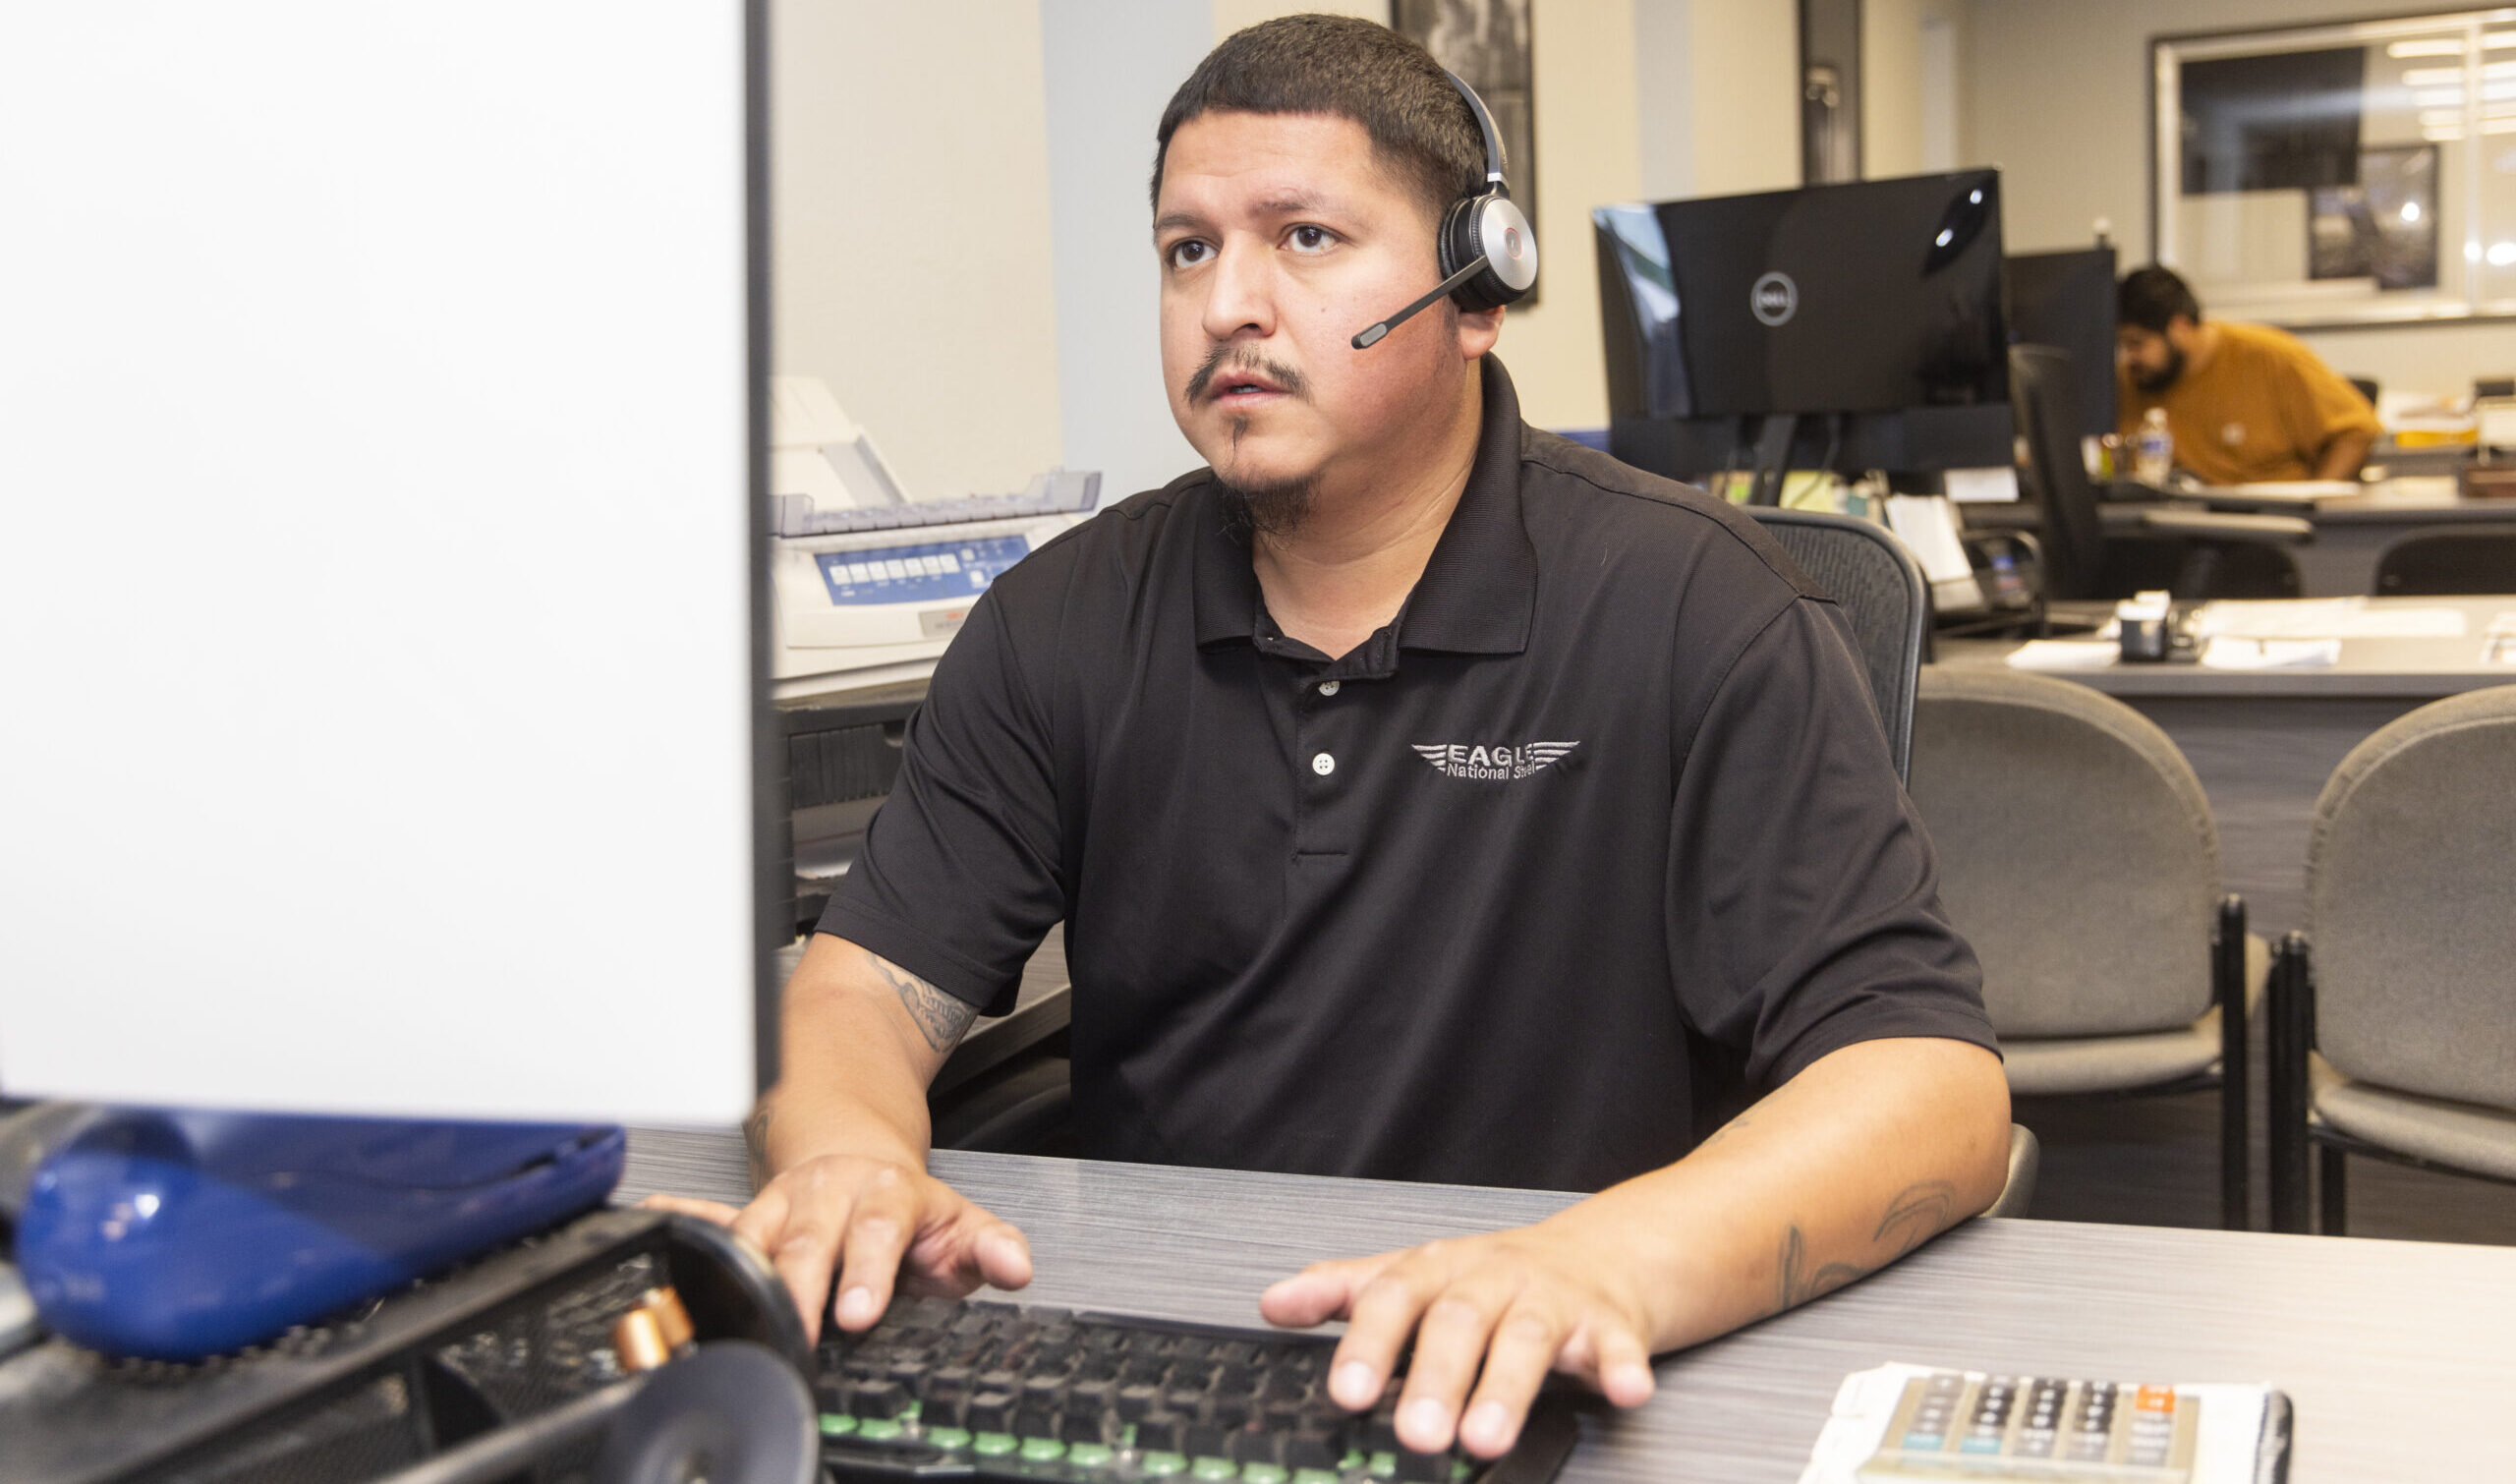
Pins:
x,y
1773,457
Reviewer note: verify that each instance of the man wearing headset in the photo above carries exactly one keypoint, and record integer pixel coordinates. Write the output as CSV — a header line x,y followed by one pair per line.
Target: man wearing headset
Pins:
x,y
1425,797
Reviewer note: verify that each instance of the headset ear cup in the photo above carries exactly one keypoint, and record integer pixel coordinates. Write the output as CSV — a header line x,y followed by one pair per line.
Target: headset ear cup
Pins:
x,y
1460,250
1457,243
1460,232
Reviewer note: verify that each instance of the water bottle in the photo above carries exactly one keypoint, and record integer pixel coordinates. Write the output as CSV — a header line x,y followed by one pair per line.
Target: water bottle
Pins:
x,y
2153,451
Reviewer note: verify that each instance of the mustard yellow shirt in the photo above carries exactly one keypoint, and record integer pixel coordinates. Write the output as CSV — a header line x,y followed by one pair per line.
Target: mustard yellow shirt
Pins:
x,y
2266,408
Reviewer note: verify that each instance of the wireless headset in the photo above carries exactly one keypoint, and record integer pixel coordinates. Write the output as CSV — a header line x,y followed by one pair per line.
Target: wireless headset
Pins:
x,y
1488,254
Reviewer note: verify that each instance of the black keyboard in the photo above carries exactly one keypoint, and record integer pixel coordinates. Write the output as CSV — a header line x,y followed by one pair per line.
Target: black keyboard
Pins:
x,y
952,1390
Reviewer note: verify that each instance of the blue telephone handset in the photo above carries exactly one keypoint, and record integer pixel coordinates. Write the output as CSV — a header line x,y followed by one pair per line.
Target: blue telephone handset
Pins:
x,y
171,1235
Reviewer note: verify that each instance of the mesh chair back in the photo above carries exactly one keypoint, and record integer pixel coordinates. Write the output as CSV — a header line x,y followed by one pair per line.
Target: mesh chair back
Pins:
x,y
2043,388
2410,900
2458,559
2075,852
1878,585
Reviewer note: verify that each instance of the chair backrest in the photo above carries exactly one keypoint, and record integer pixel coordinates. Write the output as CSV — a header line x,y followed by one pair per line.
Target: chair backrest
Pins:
x,y
2075,852
2456,560
2043,393
2410,903
1878,585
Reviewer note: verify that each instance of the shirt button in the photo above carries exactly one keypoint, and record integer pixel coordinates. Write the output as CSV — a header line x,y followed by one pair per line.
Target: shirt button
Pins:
x,y
1323,765
1328,687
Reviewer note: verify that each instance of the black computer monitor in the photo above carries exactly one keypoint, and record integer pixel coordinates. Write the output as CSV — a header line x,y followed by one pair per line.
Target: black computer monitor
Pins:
x,y
1873,305
2066,300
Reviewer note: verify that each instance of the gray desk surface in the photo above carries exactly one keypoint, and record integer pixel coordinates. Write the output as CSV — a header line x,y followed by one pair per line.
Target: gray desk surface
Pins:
x,y
2409,668
2411,502
2351,532
2419,502
2396,1354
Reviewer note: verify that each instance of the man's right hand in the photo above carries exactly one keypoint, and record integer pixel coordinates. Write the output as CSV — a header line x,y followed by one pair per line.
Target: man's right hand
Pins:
x,y
870,1223
863,1039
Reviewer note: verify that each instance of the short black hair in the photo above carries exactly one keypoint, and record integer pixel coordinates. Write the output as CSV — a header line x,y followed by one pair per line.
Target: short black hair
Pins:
x,y
2153,296
1420,127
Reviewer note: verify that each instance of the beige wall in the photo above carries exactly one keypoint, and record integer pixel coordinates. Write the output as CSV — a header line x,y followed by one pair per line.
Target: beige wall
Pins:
x,y
1715,83
1901,98
911,206
2057,95
1744,71
1231,15
1891,95
1586,156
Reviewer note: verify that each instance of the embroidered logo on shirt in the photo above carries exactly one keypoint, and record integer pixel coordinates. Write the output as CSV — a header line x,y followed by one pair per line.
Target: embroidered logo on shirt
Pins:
x,y
1501,761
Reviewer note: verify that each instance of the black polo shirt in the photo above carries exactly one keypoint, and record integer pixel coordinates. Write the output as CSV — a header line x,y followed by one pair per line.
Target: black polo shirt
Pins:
x,y
1605,805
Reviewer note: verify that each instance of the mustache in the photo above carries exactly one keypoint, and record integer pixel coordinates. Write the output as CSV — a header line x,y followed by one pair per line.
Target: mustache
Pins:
x,y
1242,358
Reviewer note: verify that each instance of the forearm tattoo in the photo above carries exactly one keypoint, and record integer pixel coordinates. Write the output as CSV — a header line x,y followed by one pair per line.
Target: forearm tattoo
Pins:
x,y
1913,1217
1796,1284
942,1018
755,1139
1916,1215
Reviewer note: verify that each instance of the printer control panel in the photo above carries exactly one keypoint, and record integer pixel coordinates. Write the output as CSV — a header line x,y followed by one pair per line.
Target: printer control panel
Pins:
x,y
924,572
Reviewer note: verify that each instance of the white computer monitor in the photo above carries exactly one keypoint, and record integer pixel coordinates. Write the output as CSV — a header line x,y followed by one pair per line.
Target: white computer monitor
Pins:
x,y
379,649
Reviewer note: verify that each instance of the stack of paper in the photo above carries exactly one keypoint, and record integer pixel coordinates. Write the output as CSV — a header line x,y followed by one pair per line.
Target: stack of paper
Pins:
x,y
2327,618
2232,653
2065,654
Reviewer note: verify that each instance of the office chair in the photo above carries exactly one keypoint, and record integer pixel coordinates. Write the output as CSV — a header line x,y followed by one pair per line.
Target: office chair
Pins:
x,y
2078,855
2367,387
1024,1108
2455,559
1878,585
2018,1190
2394,1038
2193,553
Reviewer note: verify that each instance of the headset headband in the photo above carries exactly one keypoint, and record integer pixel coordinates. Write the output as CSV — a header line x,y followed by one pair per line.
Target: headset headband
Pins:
x,y
1494,161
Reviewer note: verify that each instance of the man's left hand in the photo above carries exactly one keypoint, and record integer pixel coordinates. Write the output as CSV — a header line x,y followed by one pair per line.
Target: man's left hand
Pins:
x,y
1493,1312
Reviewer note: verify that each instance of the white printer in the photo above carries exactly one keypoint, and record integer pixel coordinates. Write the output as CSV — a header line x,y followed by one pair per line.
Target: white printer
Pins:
x,y
871,583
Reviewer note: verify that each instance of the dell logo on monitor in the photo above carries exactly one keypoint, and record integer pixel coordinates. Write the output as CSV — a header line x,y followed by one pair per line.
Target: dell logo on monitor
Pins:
x,y
1774,298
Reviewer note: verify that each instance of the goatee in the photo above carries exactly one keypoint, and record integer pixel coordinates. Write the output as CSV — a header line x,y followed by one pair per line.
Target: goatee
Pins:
x,y
2167,375
1274,510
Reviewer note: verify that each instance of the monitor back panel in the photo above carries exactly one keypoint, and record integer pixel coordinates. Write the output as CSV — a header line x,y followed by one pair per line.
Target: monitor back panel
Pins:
x,y
1868,296
2066,300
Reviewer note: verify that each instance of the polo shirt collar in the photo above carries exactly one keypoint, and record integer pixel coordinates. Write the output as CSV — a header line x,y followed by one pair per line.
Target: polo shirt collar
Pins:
x,y
1478,593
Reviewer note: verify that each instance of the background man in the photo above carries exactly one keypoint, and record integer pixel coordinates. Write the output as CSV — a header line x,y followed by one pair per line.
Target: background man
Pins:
x,y
2247,403
1424,797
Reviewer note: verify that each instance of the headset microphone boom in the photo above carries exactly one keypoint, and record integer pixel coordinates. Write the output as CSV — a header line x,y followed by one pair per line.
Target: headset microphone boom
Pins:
x,y
1488,254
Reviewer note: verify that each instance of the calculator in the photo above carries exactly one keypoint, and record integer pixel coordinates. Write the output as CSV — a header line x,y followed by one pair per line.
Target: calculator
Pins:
x,y
1900,1424
1967,1425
